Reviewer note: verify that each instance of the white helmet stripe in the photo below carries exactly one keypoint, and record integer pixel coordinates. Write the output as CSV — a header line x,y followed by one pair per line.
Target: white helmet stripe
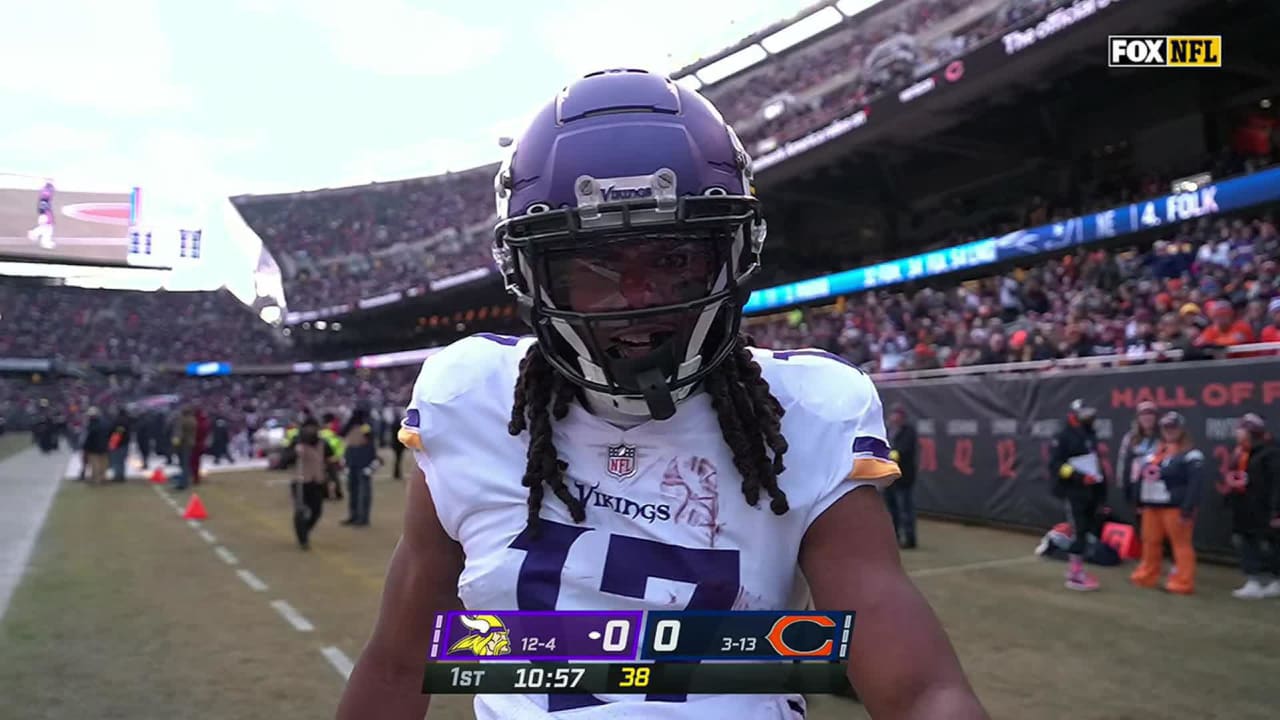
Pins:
x,y
703,325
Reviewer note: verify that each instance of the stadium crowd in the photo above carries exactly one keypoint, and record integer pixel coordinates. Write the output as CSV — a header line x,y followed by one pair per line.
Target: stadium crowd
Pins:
x,y
122,326
243,401
897,44
338,246
357,276
1213,283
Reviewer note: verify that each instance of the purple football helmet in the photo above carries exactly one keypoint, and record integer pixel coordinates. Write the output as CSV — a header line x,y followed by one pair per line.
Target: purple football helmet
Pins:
x,y
627,228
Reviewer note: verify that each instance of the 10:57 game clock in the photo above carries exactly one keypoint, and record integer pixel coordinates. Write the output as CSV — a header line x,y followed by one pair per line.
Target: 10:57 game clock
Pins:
x,y
622,652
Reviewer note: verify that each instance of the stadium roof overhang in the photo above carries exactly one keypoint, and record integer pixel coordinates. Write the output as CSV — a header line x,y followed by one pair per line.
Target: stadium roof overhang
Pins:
x,y
995,72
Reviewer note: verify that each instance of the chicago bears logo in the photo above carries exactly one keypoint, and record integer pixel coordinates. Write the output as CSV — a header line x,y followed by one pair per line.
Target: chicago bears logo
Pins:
x,y
622,461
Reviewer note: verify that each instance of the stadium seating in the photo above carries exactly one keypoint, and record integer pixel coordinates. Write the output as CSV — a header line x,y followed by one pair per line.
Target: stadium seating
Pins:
x,y
1091,303
1122,303
232,397
843,70
338,246
120,326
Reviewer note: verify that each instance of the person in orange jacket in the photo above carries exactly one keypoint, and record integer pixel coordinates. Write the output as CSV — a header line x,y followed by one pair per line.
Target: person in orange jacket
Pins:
x,y
1169,492
1226,329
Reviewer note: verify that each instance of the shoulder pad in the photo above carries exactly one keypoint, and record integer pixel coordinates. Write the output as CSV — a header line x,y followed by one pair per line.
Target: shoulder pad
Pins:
x,y
826,385
475,366
465,364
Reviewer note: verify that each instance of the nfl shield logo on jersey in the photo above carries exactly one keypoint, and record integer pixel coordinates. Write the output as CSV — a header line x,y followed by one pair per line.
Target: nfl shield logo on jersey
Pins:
x,y
622,461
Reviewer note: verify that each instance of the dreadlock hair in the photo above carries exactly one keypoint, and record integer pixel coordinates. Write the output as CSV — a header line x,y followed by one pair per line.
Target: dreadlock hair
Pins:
x,y
750,421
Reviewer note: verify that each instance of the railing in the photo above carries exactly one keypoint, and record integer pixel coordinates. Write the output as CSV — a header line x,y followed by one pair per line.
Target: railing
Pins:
x,y
1101,361
415,356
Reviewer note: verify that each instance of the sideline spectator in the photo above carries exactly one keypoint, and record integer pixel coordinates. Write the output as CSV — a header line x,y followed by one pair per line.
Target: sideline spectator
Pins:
x,y
1168,497
900,494
97,440
1135,447
184,442
1251,488
358,436
1078,481
307,489
118,445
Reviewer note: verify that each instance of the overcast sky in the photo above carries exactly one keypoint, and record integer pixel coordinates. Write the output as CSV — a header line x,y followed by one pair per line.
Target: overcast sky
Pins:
x,y
197,101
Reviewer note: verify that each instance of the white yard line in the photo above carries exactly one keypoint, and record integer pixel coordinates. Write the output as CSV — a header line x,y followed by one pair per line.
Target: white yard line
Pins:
x,y
252,581
338,660
965,567
28,481
226,555
292,616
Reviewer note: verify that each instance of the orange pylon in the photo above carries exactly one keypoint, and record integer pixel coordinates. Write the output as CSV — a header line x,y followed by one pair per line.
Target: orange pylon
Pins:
x,y
195,509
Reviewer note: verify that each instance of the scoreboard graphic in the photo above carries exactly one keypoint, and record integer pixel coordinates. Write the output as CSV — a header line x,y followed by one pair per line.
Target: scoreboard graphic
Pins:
x,y
645,652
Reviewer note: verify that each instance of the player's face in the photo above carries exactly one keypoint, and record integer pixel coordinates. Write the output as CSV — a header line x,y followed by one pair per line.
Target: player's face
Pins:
x,y
632,275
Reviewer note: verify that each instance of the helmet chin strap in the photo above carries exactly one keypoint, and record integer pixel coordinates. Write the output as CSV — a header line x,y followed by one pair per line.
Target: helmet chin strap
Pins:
x,y
656,399
649,374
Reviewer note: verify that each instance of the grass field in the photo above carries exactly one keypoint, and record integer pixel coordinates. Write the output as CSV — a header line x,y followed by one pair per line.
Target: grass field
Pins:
x,y
127,611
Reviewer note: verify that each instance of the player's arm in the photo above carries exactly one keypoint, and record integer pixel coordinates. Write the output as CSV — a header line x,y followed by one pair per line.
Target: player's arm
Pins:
x,y
900,660
422,580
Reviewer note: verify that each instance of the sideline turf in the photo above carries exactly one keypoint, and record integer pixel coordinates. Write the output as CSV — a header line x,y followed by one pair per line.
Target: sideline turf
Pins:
x,y
127,613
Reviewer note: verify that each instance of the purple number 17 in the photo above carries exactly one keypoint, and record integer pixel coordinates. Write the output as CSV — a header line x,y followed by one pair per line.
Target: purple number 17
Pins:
x,y
628,565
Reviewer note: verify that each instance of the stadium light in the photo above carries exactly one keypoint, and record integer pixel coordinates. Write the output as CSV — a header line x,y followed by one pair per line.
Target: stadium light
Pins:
x,y
735,63
270,314
802,30
853,7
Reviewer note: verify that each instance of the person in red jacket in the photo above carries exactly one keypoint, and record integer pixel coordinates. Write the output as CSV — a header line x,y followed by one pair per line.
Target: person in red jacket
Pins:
x,y
1271,333
1226,329
202,441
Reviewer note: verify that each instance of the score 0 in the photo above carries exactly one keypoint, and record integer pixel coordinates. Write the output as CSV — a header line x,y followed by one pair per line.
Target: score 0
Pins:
x,y
666,635
616,634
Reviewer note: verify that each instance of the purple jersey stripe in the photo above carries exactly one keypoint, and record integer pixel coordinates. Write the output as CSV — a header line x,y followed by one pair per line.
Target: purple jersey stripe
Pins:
x,y
864,444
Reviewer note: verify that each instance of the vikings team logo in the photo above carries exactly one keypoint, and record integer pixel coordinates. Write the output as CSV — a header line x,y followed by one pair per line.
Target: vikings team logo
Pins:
x,y
622,461
486,636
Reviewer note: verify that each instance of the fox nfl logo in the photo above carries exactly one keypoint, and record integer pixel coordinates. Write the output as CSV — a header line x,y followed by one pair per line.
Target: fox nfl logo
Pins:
x,y
1170,51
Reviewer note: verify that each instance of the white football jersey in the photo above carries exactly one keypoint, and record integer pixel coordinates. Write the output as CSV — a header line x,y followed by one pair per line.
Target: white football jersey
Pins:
x,y
667,526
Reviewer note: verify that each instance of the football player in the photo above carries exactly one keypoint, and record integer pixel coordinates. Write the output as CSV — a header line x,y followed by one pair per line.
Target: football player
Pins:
x,y
42,233
630,454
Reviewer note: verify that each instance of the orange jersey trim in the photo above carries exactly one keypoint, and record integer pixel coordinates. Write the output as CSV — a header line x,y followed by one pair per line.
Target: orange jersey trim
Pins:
x,y
409,438
877,470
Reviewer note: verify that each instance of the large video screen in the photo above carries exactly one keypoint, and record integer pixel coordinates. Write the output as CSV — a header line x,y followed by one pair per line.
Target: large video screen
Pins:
x,y
43,221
